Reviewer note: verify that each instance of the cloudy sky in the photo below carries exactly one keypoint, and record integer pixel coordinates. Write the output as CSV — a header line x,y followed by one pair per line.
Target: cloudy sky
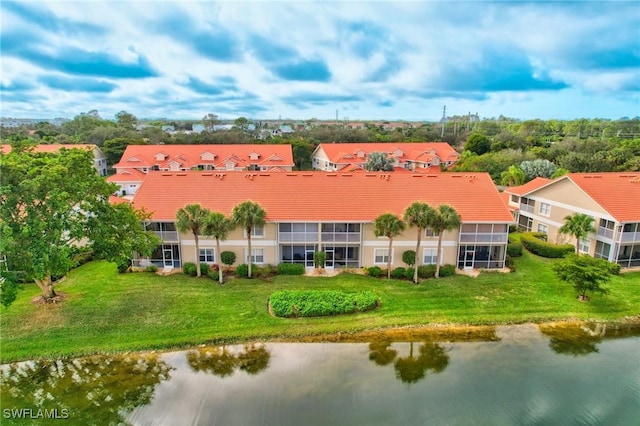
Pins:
x,y
305,59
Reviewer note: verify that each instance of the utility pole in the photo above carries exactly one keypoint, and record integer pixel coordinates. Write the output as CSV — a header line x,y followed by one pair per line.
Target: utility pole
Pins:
x,y
443,120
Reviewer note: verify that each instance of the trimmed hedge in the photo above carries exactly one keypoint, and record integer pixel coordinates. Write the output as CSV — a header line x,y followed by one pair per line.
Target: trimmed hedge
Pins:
x,y
189,268
291,269
398,273
409,257
214,274
316,303
447,270
532,242
375,271
514,249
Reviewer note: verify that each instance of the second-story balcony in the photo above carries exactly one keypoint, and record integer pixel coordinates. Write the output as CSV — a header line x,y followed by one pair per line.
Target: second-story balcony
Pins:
x,y
526,208
167,235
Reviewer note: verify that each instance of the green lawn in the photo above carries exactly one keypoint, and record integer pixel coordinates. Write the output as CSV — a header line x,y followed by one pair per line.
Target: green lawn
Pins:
x,y
109,312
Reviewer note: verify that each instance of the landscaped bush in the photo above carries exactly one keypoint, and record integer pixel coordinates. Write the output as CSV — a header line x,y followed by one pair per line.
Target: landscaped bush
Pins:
x,y
204,269
151,268
189,268
514,249
242,270
426,271
447,270
614,268
319,259
398,273
264,271
375,272
214,274
315,303
510,263
124,266
532,242
228,257
513,228
409,257
290,269
408,273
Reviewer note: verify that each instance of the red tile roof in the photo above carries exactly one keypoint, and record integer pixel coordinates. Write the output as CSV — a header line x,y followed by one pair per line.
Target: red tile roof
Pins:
x,y
532,185
127,175
617,193
188,156
321,196
414,151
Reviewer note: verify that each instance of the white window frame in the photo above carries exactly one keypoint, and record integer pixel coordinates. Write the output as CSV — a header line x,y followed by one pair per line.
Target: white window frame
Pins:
x,y
544,228
545,209
382,253
256,232
584,245
255,253
433,257
207,253
429,233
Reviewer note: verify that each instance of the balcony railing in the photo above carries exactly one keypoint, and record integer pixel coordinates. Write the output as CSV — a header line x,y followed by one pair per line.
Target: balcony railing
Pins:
x,y
167,235
484,238
629,237
345,237
527,208
298,237
605,232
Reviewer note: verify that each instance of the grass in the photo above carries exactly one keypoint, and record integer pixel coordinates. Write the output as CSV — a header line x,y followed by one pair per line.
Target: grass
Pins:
x,y
106,312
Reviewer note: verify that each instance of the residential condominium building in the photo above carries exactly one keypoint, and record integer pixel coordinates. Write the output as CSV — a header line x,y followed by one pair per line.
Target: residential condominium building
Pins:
x,y
138,160
414,156
612,199
330,212
99,159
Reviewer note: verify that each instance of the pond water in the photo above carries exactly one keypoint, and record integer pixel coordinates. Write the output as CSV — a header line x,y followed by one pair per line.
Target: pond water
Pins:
x,y
513,375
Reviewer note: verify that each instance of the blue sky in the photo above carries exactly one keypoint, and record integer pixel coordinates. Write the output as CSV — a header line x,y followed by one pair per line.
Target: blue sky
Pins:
x,y
303,59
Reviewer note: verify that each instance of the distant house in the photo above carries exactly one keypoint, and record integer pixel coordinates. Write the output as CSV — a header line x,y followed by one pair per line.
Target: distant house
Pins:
x,y
169,129
99,159
611,199
417,157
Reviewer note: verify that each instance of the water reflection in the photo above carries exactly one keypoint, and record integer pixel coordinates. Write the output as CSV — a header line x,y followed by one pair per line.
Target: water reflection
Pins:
x,y
581,339
222,361
431,356
91,390
380,353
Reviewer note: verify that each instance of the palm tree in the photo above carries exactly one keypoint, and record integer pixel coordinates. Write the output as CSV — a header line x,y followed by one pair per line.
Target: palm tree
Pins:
x,y
191,218
514,176
218,226
388,225
248,215
419,215
445,219
579,225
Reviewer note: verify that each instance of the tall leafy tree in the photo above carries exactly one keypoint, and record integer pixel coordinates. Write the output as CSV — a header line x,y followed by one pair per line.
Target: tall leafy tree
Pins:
x,y
378,162
54,204
218,226
388,225
248,215
514,176
578,225
192,218
420,215
445,218
585,273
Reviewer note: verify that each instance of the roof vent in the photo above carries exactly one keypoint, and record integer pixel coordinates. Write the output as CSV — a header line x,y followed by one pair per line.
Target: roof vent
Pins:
x,y
635,179
249,176
220,176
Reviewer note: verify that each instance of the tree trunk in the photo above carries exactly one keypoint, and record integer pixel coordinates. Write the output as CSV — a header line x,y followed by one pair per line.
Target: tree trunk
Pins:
x,y
417,262
195,237
220,272
46,286
578,246
249,256
438,254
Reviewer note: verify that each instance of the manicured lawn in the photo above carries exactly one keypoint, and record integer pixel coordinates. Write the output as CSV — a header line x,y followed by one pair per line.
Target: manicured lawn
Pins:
x,y
109,312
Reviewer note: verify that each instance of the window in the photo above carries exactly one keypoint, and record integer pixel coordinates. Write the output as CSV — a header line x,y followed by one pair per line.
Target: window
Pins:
x,y
429,256
207,255
380,256
256,232
514,198
429,233
602,250
545,209
257,255
584,246
543,228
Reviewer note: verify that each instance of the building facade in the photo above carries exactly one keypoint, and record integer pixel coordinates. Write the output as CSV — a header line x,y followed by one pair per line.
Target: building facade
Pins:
x,y
333,213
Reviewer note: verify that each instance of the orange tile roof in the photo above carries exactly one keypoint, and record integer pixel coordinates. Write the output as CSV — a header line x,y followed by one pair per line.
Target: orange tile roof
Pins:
x,y
118,200
321,196
138,156
617,193
54,147
532,185
411,150
127,175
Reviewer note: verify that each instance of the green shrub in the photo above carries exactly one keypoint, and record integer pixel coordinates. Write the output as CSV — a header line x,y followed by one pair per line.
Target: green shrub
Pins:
x,y
204,269
409,257
264,271
510,263
151,268
408,273
614,268
532,242
228,257
214,274
398,273
375,271
314,303
447,270
319,259
189,268
290,269
514,249
124,266
513,228
242,270
426,271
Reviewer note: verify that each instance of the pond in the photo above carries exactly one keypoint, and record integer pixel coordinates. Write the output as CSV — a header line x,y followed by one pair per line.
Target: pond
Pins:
x,y
525,374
